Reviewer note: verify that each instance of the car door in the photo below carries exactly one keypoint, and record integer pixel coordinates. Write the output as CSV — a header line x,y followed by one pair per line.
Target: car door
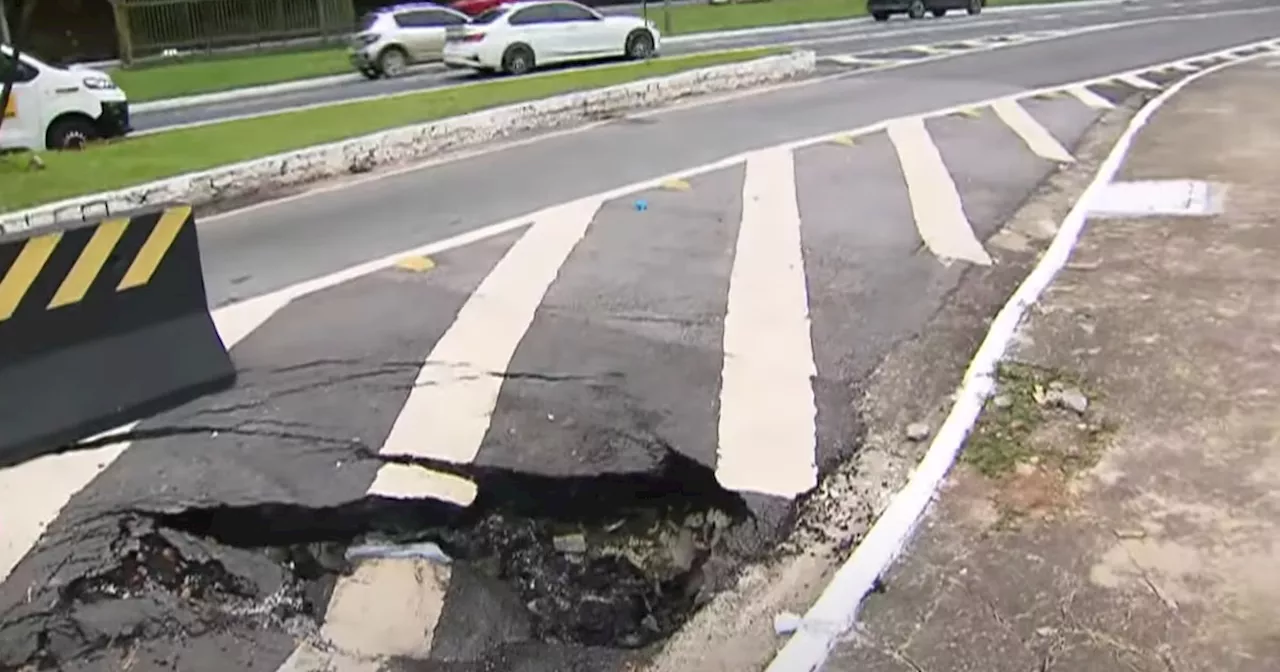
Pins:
x,y
23,124
585,34
434,26
536,26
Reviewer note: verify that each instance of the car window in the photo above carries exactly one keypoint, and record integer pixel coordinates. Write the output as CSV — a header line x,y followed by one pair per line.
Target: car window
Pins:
x,y
415,19
443,18
534,14
489,16
567,12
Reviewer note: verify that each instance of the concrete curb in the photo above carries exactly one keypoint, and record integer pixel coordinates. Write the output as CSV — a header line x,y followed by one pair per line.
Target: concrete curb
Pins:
x,y
362,154
692,38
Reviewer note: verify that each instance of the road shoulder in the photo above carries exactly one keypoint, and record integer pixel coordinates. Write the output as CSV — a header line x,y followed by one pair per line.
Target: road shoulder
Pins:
x,y
1116,505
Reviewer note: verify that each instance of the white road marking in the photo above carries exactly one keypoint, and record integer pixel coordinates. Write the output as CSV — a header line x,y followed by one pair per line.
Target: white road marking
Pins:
x,y
1037,138
768,415
407,481
452,402
935,201
1185,67
386,608
1135,80
1086,95
848,59
60,477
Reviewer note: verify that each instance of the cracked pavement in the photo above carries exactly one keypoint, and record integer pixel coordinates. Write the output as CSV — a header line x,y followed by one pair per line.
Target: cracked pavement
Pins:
x,y
1157,553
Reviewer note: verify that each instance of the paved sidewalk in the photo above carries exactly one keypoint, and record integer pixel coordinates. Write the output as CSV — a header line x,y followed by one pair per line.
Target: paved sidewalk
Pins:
x,y
1140,532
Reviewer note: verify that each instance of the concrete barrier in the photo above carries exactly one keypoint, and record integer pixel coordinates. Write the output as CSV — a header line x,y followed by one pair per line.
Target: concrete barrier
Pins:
x,y
398,145
102,322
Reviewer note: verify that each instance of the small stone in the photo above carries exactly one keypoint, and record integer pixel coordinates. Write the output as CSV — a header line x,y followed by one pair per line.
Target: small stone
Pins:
x,y
1002,401
682,550
1072,399
1056,385
570,543
918,431
1131,534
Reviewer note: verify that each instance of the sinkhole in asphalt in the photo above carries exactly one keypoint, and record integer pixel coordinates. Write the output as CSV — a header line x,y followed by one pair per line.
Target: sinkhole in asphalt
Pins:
x,y
608,560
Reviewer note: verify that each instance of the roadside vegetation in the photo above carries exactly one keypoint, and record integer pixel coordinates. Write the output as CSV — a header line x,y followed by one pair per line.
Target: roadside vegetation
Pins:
x,y
131,161
199,75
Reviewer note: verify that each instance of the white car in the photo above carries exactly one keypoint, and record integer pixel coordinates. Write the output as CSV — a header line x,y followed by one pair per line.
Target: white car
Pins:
x,y
518,37
58,108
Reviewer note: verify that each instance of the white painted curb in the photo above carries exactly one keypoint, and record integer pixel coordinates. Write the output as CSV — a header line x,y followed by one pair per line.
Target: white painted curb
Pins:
x,y
361,154
837,608
267,90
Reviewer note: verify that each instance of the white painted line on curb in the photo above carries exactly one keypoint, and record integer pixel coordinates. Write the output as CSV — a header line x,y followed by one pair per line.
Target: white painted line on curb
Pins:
x,y
451,405
837,608
1086,95
36,491
935,201
1037,138
768,429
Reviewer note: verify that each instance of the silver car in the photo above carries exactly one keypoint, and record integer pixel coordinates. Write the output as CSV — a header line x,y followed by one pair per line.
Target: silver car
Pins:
x,y
395,37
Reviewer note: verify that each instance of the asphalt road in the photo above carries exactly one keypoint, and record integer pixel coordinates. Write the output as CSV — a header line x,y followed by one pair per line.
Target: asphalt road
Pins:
x,y
858,37
604,352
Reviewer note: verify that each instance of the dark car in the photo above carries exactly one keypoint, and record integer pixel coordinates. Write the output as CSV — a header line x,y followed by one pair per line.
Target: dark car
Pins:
x,y
880,10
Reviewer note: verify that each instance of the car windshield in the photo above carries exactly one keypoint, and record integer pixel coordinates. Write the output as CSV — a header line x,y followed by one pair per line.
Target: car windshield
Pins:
x,y
489,16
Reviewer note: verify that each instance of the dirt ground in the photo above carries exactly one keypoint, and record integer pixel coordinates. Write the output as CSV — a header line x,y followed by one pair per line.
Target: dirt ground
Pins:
x,y
1118,505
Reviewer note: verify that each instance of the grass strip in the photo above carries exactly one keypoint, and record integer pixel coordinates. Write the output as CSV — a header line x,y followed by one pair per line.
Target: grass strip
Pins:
x,y
132,161
223,73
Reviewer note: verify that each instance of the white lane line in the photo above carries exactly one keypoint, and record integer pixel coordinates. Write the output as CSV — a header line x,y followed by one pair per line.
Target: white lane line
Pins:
x,y
451,405
1037,138
848,59
407,481
1086,95
935,201
1137,81
1185,67
386,608
768,415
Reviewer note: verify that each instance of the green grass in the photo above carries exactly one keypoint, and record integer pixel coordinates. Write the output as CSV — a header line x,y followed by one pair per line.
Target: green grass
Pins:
x,y
142,159
174,80
207,75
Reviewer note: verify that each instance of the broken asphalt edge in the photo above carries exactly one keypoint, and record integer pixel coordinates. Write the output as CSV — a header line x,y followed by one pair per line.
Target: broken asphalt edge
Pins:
x,y
837,607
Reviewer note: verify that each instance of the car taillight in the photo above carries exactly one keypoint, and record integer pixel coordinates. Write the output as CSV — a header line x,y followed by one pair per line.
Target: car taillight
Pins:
x,y
473,37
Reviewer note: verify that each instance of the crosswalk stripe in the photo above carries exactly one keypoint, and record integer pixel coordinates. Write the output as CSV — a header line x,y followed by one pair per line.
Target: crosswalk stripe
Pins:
x,y
1037,138
935,201
451,405
768,413
1138,82
1185,67
1086,95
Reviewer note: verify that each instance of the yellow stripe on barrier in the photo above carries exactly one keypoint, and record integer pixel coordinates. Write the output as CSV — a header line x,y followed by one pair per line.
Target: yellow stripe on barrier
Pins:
x,y
87,267
153,251
24,270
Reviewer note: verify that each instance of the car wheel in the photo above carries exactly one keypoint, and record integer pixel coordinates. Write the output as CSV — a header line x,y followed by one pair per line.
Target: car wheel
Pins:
x,y
639,45
71,133
939,13
517,60
975,7
393,61
916,9
880,16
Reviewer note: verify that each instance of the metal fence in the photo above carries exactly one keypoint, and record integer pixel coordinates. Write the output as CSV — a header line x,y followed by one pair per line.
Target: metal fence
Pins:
x,y
148,27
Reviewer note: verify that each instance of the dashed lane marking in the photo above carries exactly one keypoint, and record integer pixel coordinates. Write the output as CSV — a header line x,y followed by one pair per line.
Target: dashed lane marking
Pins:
x,y
935,201
768,414
1138,82
1037,138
